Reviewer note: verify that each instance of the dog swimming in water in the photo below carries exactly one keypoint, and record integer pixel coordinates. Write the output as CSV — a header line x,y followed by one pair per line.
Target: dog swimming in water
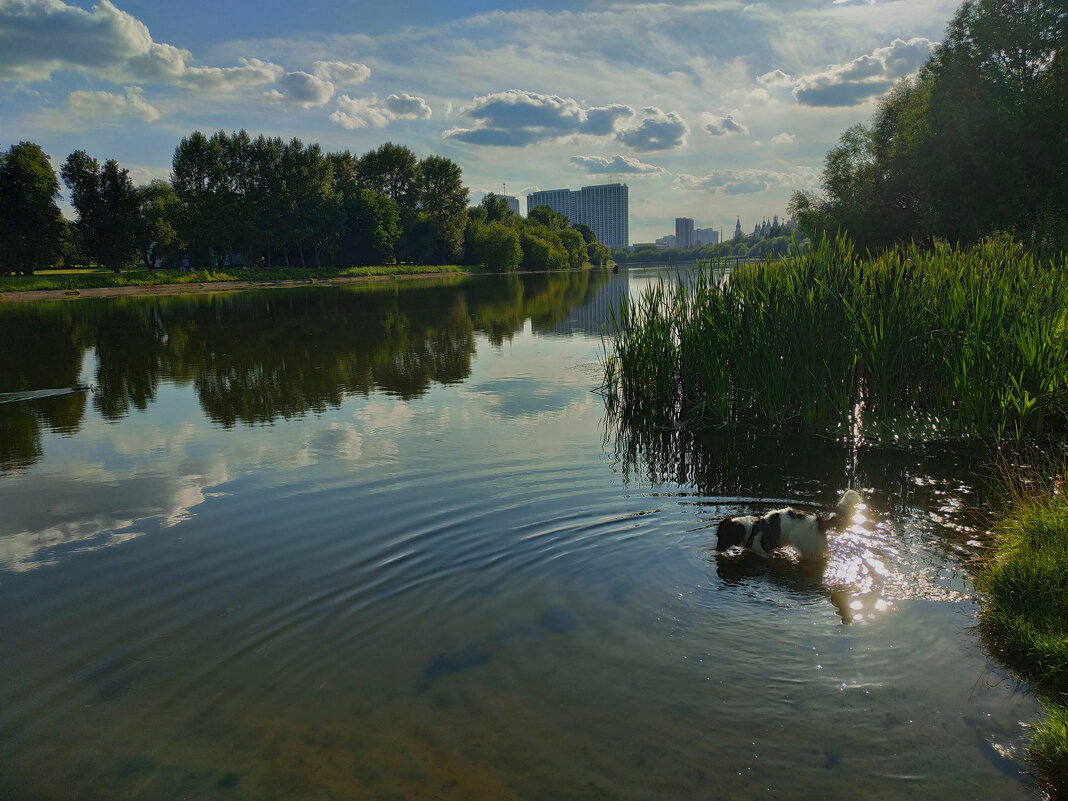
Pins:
x,y
805,531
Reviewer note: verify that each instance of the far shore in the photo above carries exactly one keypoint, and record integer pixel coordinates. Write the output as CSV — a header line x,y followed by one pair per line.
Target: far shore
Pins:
x,y
205,287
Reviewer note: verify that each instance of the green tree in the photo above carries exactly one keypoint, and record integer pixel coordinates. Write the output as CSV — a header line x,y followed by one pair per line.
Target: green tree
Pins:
x,y
31,227
108,209
443,203
495,208
495,245
370,227
155,236
543,215
200,183
391,170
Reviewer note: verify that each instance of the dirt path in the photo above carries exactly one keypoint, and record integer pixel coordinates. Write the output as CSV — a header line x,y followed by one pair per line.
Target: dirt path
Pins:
x,y
204,288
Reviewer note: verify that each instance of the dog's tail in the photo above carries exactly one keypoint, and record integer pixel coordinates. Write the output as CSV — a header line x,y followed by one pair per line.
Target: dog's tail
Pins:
x,y
849,501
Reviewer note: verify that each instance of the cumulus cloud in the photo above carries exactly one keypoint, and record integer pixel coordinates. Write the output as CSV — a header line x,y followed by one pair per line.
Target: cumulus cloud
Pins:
x,y
776,78
744,181
783,138
369,112
408,107
111,105
659,130
724,126
341,73
301,89
619,165
516,117
40,37
865,76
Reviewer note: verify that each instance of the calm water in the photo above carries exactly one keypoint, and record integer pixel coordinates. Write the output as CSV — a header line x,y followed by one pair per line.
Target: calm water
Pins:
x,y
382,543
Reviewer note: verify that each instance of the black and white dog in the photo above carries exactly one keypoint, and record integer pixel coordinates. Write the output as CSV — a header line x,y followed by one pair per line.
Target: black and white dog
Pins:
x,y
805,531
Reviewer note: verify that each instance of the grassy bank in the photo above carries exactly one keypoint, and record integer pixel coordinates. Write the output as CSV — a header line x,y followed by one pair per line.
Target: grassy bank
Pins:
x,y
93,279
1024,588
951,340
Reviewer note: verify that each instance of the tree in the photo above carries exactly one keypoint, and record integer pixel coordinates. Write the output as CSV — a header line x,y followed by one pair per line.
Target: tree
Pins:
x,y
199,180
31,227
976,144
495,208
443,202
155,236
370,228
108,207
543,215
391,170
494,245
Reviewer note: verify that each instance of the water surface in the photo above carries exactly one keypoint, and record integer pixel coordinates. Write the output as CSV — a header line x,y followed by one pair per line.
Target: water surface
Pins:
x,y
381,542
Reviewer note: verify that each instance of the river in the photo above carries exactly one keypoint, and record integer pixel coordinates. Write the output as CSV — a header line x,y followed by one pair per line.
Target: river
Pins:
x,y
383,542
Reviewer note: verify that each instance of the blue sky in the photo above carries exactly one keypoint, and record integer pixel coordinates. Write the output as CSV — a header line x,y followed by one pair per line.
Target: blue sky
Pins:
x,y
709,109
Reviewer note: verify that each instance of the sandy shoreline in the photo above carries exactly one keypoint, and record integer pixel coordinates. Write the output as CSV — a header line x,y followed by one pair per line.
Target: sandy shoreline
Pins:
x,y
203,288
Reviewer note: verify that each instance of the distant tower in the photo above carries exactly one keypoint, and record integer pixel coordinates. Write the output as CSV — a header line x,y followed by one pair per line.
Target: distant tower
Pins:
x,y
738,229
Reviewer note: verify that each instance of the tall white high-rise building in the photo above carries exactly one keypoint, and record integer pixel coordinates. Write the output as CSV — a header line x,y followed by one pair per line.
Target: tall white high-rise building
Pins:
x,y
605,208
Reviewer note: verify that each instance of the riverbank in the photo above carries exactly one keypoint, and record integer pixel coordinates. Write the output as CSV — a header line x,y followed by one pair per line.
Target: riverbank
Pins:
x,y
71,286
1025,610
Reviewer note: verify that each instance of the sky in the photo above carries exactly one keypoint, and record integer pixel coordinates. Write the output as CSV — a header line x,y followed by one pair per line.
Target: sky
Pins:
x,y
711,109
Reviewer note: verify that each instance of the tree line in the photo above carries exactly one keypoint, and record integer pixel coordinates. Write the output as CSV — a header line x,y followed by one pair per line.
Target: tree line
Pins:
x,y
976,144
235,200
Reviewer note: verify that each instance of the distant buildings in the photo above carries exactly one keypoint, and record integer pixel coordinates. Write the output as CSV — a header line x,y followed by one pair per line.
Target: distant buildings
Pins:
x,y
684,235
604,208
707,236
666,242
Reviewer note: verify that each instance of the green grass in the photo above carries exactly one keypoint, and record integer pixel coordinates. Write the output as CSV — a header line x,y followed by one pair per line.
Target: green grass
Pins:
x,y
87,279
1024,586
933,342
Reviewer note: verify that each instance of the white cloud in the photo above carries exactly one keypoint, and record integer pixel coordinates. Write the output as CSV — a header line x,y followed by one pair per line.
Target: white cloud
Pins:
x,y
301,89
659,130
864,77
724,126
408,107
775,78
516,117
783,138
341,73
40,37
85,104
745,181
619,165
369,112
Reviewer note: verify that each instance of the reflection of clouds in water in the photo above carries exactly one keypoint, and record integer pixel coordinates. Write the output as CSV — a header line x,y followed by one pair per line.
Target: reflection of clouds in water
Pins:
x,y
96,508
138,440
528,397
377,415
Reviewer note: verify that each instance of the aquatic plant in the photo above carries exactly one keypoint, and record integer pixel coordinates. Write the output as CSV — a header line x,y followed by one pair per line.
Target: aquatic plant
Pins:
x,y
963,340
1024,586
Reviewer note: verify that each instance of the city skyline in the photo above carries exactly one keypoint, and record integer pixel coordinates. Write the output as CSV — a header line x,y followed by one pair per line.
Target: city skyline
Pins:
x,y
698,106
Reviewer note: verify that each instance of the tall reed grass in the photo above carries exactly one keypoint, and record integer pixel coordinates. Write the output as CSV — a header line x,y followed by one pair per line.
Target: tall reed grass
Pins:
x,y
971,340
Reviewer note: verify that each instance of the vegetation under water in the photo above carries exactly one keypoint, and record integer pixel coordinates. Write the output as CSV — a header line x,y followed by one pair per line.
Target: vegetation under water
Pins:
x,y
969,341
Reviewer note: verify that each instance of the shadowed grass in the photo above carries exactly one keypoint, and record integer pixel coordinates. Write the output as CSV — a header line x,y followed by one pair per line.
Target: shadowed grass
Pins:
x,y
1025,602
970,340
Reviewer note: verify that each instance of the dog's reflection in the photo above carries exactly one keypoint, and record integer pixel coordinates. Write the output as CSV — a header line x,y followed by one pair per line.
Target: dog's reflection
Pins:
x,y
803,579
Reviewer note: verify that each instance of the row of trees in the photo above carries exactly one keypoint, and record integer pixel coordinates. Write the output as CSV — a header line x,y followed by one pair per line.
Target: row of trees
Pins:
x,y
270,202
976,144
544,240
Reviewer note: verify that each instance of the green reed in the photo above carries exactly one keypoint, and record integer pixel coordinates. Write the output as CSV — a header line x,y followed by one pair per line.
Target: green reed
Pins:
x,y
974,338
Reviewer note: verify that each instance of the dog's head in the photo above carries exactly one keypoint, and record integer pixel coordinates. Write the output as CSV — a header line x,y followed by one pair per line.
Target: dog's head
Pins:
x,y
731,532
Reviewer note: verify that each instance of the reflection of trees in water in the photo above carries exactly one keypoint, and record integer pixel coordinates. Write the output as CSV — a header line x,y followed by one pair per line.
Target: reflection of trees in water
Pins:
x,y
742,462
253,357
39,349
